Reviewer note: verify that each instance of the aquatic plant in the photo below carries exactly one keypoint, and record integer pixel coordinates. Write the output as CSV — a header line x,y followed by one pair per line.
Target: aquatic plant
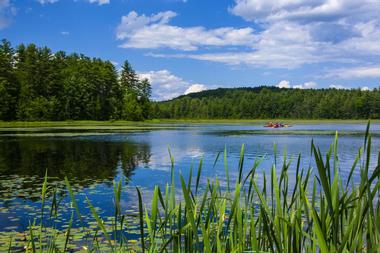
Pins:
x,y
321,212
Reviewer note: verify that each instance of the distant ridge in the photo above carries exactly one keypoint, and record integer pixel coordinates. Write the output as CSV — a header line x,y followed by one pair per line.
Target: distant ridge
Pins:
x,y
265,102
220,92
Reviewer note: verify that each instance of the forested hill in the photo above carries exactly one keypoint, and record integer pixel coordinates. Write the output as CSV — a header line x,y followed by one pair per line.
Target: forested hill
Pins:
x,y
37,84
272,102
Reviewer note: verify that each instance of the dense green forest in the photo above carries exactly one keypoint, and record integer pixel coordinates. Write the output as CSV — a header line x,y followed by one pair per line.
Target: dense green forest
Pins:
x,y
272,102
36,84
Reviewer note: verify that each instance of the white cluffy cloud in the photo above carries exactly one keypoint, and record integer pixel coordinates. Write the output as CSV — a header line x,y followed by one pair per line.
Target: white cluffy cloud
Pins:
x,y
47,1
282,45
166,85
287,34
328,29
338,87
7,11
141,31
342,87
283,84
302,11
357,72
99,2
306,85
365,88
195,88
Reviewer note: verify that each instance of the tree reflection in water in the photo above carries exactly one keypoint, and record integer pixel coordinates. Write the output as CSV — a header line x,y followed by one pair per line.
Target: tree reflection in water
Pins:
x,y
84,161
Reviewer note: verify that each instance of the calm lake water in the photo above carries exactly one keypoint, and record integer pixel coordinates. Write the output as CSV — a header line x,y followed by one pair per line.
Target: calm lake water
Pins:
x,y
92,159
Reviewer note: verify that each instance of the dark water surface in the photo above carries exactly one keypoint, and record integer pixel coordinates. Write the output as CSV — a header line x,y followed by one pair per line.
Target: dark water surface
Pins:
x,y
93,158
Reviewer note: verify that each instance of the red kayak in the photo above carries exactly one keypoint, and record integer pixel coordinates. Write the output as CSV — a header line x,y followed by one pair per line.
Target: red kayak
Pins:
x,y
276,125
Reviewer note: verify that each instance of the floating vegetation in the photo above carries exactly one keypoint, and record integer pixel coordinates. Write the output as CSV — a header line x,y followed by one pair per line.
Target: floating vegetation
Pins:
x,y
86,128
321,212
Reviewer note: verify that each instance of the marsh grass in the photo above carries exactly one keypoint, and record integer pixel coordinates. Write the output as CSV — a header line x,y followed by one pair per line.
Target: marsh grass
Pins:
x,y
320,212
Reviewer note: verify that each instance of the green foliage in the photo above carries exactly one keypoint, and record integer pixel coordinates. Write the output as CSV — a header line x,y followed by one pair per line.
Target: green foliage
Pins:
x,y
36,84
272,102
132,108
5,99
8,82
138,92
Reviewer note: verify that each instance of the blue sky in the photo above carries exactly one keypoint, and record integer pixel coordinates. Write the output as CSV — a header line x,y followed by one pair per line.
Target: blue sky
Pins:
x,y
186,46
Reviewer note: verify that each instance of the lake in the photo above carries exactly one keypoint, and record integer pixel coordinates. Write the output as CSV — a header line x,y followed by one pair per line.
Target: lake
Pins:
x,y
93,158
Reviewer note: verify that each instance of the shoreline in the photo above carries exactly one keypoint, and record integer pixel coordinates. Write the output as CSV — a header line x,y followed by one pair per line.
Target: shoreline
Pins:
x,y
157,122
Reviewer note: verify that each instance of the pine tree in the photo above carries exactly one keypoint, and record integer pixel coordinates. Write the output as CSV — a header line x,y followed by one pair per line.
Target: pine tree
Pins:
x,y
145,91
128,78
8,82
137,94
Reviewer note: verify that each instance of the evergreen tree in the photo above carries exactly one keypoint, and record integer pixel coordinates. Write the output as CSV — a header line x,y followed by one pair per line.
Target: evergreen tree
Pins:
x,y
137,94
128,78
8,82
36,84
145,92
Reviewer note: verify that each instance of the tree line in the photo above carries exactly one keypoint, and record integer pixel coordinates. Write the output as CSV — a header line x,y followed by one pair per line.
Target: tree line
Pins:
x,y
36,84
272,102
